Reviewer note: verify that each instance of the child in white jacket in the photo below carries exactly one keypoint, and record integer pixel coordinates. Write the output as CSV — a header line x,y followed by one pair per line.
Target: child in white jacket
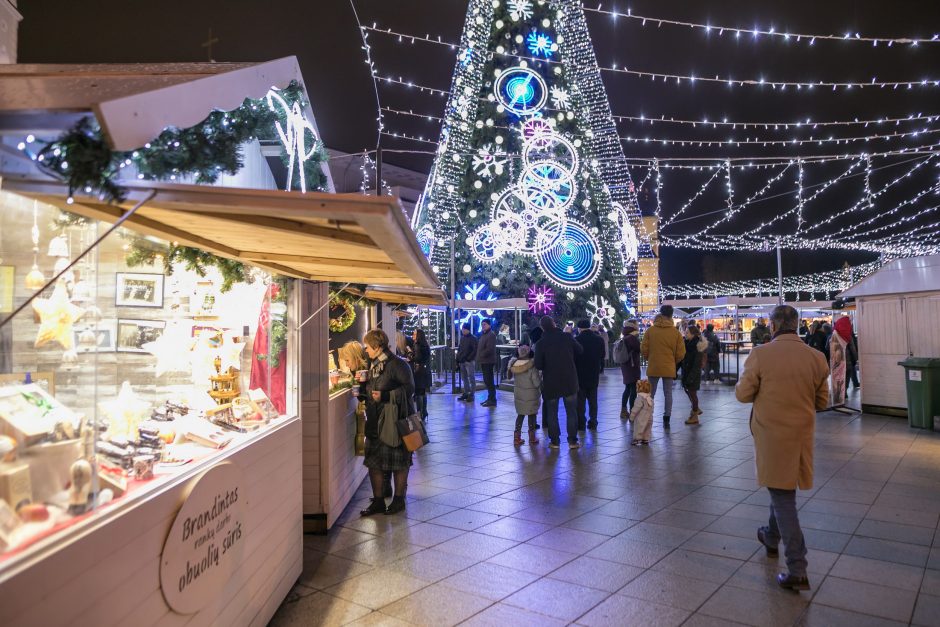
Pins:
x,y
642,413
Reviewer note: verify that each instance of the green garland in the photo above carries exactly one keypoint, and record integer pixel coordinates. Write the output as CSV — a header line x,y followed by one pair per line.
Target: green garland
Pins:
x,y
277,340
83,159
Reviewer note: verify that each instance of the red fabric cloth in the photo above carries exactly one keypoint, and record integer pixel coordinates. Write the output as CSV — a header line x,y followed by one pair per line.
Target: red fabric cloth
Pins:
x,y
843,327
272,380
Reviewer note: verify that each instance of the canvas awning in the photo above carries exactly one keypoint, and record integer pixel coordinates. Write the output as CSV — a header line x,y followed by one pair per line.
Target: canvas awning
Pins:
x,y
346,238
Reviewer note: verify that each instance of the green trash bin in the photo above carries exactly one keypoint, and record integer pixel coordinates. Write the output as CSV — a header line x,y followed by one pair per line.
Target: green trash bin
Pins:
x,y
922,375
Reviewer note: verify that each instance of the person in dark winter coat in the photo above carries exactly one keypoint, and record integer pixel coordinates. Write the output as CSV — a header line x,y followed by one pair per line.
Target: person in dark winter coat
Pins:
x,y
486,357
466,362
695,347
535,334
588,364
421,366
827,332
527,392
390,382
712,365
627,356
760,334
554,356
817,338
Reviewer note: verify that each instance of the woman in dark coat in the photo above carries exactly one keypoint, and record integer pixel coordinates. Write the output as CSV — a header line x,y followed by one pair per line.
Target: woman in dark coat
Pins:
x,y
421,366
695,347
390,383
627,356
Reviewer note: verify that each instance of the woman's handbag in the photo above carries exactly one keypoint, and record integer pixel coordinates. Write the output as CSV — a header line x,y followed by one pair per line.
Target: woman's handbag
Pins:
x,y
412,432
388,430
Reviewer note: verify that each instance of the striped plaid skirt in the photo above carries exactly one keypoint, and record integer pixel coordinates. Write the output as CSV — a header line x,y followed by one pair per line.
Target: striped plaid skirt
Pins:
x,y
380,456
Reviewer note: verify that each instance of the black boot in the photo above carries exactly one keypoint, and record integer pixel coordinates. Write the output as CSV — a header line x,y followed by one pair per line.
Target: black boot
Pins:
x,y
377,506
397,505
665,422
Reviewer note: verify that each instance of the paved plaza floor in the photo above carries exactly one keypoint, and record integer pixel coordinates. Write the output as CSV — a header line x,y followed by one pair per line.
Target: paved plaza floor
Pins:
x,y
612,534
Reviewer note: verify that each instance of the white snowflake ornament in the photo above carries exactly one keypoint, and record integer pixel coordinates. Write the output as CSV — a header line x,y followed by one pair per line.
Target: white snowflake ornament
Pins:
x,y
489,162
561,99
519,9
601,312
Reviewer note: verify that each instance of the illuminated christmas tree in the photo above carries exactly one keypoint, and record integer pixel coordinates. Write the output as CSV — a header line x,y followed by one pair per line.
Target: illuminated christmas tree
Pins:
x,y
529,186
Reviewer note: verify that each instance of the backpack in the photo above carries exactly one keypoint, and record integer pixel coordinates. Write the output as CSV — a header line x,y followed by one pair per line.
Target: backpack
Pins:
x,y
621,353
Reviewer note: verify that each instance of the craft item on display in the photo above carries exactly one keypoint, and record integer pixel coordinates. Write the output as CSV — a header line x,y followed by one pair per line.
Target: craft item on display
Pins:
x,y
113,481
143,468
16,487
205,298
264,404
125,413
223,387
247,412
35,278
80,491
7,448
135,289
29,414
36,512
208,435
9,523
173,349
168,412
345,319
57,315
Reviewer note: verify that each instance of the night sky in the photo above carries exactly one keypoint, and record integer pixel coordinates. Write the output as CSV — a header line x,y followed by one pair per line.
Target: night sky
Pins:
x,y
324,36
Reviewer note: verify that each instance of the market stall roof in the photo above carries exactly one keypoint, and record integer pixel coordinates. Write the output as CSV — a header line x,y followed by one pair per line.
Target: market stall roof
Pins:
x,y
132,102
404,295
495,305
901,276
347,238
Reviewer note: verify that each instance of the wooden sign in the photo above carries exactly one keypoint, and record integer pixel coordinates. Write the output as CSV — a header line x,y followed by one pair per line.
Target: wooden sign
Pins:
x,y
206,542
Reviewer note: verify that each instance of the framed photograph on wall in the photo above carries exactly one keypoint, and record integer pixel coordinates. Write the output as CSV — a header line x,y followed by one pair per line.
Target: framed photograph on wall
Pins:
x,y
139,290
7,279
133,334
104,334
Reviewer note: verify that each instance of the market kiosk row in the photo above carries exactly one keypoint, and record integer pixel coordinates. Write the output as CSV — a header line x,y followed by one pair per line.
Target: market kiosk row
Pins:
x,y
164,441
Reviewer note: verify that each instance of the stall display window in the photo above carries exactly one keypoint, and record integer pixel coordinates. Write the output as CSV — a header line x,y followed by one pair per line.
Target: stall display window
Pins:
x,y
125,372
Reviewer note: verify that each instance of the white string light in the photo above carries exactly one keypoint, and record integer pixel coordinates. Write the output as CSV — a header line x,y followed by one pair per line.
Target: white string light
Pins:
x,y
730,81
705,122
751,141
770,32
688,203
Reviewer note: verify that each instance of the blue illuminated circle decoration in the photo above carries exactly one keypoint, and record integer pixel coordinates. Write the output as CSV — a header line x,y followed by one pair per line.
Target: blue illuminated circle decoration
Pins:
x,y
548,185
521,91
573,259
539,44
425,237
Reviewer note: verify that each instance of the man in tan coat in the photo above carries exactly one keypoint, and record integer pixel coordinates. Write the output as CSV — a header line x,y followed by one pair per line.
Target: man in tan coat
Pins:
x,y
664,348
788,383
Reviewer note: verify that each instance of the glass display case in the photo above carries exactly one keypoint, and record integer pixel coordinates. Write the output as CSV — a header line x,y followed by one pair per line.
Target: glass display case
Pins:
x,y
142,361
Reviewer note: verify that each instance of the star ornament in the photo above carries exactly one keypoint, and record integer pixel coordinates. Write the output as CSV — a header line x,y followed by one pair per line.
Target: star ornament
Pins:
x,y
173,349
57,315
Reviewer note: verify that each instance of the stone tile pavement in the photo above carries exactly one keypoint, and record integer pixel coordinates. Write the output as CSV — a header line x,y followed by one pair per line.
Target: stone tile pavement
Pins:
x,y
618,535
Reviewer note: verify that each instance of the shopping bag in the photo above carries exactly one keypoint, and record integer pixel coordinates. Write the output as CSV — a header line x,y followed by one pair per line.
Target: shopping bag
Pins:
x,y
412,432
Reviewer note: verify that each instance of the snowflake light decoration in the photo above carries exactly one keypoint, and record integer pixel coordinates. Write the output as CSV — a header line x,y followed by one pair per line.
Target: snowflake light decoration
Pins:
x,y
601,312
489,162
473,291
520,9
541,300
561,99
540,44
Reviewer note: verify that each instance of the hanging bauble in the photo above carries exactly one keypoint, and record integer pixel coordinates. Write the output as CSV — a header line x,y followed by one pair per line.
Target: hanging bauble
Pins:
x,y
35,279
87,338
69,358
59,246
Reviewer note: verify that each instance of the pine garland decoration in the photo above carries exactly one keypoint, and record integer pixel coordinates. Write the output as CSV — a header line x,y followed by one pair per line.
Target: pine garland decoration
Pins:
x,y
83,159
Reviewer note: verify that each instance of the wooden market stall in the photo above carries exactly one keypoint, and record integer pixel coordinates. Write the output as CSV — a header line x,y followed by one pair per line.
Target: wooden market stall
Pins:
x,y
110,565
896,313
